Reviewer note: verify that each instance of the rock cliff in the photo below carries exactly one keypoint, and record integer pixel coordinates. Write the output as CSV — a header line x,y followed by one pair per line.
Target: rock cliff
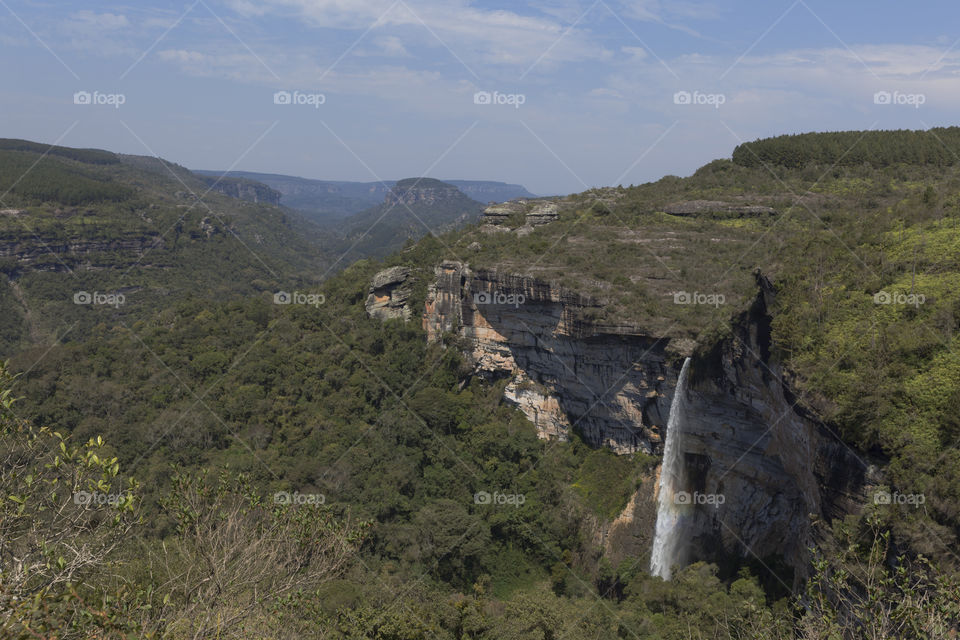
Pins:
x,y
425,191
610,384
244,189
748,439
759,465
27,252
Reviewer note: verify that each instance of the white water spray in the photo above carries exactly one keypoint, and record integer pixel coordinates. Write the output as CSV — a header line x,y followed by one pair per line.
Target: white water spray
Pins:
x,y
668,544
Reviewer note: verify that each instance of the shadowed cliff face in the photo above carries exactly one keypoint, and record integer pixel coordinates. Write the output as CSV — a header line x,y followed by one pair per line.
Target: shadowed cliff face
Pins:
x,y
750,446
758,466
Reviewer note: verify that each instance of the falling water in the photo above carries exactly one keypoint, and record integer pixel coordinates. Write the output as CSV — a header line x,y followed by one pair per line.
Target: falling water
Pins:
x,y
667,541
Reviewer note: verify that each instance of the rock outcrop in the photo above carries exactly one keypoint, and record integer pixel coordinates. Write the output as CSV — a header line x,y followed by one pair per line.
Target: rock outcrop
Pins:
x,y
498,215
28,251
543,213
390,294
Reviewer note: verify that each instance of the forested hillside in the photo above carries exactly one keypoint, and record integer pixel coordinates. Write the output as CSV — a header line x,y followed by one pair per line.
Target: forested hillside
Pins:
x,y
304,470
138,230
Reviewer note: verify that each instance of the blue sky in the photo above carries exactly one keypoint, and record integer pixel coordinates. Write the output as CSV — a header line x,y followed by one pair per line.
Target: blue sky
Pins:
x,y
590,93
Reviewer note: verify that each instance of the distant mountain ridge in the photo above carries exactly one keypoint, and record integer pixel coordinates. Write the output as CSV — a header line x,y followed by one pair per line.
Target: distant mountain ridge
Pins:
x,y
331,200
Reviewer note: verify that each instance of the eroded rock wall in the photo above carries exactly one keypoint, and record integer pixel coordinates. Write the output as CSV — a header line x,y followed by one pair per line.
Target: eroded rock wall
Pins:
x,y
614,389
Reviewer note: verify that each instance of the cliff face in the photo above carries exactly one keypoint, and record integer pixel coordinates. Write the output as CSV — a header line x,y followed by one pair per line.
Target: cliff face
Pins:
x,y
611,385
426,191
749,439
769,463
26,252
244,190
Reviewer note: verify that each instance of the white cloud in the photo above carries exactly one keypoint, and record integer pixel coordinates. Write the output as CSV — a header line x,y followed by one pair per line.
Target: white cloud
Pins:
x,y
91,21
477,35
669,14
635,53
388,46
88,31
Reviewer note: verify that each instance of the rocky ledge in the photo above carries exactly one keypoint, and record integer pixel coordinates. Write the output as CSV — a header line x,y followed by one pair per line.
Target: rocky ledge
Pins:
x,y
697,207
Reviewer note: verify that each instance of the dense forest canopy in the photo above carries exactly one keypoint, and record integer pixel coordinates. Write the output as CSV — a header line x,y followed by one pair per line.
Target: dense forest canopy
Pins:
x,y
934,147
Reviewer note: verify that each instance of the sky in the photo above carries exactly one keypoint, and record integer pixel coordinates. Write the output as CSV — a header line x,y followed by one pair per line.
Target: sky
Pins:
x,y
558,95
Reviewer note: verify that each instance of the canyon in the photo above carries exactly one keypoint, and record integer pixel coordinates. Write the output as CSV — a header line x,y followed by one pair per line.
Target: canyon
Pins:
x,y
760,470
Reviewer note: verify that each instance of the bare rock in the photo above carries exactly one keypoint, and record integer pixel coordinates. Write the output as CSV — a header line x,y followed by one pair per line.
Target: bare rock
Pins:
x,y
498,214
544,213
390,294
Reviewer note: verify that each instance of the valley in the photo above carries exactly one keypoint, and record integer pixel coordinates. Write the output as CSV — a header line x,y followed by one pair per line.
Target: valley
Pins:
x,y
692,401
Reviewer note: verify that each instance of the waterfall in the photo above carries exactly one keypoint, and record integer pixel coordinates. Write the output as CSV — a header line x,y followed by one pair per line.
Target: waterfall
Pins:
x,y
668,546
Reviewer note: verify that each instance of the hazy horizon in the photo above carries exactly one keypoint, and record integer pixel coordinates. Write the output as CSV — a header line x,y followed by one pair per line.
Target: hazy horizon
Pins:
x,y
558,96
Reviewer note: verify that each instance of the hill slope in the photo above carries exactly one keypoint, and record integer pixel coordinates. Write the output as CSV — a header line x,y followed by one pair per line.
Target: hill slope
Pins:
x,y
142,228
